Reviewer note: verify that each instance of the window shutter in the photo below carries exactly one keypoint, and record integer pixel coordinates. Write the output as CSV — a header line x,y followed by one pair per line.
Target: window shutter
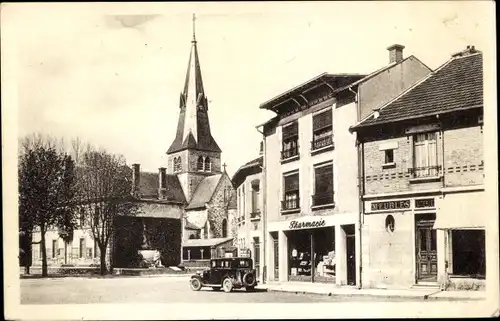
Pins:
x,y
292,182
322,120
291,130
323,179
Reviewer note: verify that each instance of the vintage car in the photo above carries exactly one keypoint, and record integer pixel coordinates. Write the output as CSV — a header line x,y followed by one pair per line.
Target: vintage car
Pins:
x,y
226,273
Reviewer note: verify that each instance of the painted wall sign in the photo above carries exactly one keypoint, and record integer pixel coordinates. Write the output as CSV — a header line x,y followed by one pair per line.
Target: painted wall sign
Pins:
x,y
390,205
423,203
294,225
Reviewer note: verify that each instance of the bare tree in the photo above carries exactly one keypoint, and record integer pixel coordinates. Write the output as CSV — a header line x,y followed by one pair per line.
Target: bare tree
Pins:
x,y
105,189
46,190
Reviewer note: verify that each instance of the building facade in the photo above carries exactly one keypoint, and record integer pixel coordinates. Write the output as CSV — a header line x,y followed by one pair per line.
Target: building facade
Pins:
x,y
313,204
422,162
248,183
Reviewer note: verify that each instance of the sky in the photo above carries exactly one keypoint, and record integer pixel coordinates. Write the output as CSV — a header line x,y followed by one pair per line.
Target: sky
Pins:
x,y
111,74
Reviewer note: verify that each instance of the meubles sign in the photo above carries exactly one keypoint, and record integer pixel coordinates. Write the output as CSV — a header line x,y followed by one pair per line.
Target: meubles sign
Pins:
x,y
294,225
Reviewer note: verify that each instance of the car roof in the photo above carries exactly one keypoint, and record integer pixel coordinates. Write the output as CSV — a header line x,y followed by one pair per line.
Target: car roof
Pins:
x,y
232,258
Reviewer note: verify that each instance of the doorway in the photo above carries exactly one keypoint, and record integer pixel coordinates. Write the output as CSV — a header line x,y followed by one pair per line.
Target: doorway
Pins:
x,y
351,253
425,248
256,255
276,256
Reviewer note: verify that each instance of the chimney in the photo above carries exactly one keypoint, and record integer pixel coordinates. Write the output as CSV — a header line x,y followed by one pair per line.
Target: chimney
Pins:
x,y
162,176
395,53
469,50
136,178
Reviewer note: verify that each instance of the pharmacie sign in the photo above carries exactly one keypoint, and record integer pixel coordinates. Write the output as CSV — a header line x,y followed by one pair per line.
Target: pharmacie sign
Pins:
x,y
313,223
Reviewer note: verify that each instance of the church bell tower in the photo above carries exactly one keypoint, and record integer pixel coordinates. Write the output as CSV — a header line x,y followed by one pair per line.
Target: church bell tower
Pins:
x,y
193,154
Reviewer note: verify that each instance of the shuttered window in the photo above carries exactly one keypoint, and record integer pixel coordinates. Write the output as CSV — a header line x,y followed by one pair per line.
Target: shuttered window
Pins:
x,y
323,185
323,120
291,187
292,183
290,131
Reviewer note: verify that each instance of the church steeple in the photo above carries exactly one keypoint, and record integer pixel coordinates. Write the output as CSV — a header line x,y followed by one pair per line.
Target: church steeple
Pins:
x,y
193,128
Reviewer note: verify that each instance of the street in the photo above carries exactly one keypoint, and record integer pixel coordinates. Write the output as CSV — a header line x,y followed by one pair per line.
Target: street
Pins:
x,y
152,290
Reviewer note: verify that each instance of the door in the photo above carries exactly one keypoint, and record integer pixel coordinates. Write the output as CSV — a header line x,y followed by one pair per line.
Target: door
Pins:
x,y
426,253
351,259
256,251
276,260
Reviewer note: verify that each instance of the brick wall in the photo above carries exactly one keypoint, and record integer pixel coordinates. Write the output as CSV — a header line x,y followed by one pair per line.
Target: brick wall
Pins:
x,y
460,153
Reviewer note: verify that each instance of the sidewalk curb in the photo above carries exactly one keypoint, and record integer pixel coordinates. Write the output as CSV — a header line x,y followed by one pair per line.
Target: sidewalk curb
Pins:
x,y
425,297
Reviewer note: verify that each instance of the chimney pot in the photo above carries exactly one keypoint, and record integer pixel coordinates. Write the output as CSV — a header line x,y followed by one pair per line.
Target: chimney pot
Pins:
x,y
136,177
395,53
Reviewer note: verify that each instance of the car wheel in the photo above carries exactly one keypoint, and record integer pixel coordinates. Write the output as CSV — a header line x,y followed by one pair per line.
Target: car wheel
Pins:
x,y
216,288
227,285
195,284
250,288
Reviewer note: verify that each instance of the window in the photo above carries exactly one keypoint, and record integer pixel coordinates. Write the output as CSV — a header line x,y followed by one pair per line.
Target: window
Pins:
x,y
322,130
208,166
323,185
291,197
177,164
290,141
468,253
255,197
81,249
224,228
425,155
200,164
389,156
54,248
389,223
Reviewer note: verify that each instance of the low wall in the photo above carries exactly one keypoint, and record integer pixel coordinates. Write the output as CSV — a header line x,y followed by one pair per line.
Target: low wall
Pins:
x,y
196,264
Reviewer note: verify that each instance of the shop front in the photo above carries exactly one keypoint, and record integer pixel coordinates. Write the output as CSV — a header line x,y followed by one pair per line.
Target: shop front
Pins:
x,y
314,249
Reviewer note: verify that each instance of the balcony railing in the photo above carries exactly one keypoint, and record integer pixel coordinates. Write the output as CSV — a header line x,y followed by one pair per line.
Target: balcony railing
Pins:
x,y
422,172
255,215
322,142
289,153
322,199
291,204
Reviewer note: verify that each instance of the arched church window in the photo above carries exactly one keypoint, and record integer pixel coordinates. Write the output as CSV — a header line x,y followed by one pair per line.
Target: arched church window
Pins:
x,y
224,228
207,165
200,163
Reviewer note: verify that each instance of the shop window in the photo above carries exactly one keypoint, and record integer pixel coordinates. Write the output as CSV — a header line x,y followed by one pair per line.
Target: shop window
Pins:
x,y
425,155
322,130
291,197
468,253
389,223
290,140
323,185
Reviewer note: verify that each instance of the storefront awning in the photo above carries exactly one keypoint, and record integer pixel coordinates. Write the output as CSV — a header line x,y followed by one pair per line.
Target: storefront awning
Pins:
x,y
461,211
206,242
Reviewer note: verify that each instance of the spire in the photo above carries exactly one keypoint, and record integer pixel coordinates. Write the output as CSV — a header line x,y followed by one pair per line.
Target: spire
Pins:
x,y
193,128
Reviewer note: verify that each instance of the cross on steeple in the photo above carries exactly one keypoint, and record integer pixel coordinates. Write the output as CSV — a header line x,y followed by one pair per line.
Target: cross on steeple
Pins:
x,y
194,27
224,165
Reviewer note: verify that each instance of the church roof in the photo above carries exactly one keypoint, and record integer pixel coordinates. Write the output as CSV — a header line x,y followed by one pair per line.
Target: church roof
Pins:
x,y
250,168
193,127
149,184
204,191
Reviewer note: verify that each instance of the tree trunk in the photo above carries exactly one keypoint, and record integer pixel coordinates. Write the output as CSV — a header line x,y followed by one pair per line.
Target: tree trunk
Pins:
x,y
102,249
44,252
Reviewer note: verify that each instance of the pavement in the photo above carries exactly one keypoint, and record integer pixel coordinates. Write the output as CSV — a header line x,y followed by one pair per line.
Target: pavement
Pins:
x,y
332,290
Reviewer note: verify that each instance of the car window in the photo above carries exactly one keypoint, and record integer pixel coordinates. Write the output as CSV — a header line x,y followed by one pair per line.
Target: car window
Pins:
x,y
244,263
226,264
214,264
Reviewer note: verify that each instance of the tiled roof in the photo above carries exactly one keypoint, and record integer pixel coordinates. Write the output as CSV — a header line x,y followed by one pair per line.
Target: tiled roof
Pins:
x,y
252,167
149,183
204,191
456,85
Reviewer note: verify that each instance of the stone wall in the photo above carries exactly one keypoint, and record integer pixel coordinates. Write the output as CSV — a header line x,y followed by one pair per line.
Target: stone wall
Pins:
x,y
218,210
